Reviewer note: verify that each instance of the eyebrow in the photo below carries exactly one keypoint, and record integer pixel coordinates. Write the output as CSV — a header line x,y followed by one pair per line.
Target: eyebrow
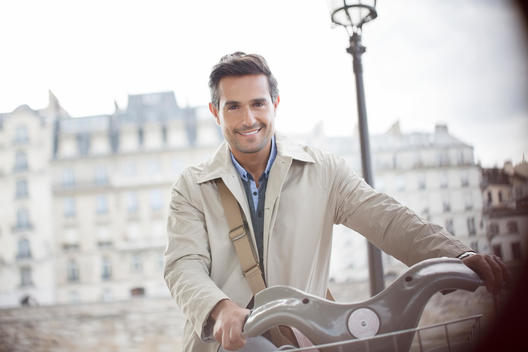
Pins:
x,y
234,102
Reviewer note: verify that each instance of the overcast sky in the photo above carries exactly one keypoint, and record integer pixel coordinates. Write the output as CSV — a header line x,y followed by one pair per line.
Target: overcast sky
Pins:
x,y
428,61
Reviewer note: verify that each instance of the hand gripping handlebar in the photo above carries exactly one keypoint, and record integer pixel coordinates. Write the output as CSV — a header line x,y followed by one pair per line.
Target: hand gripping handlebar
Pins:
x,y
398,307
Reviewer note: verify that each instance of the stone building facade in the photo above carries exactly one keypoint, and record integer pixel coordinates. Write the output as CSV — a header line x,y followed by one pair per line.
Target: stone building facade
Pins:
x,y
505,193
434,174
91,196
26,234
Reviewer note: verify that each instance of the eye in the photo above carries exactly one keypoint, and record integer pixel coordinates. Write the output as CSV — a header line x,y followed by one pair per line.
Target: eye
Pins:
x,y
232,107
258,104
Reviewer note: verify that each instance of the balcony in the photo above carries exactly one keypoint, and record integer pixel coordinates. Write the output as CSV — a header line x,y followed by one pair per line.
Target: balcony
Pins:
x,y
23,256
22,227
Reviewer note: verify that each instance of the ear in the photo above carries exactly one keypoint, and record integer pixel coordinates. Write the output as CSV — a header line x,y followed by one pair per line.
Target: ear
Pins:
x,y
214,111
276,103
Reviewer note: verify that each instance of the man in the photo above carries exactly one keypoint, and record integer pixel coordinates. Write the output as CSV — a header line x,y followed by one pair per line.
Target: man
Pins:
x,y
291,196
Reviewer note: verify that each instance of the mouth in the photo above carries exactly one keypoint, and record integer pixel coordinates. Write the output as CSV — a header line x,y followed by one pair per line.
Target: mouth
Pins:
x,y
250,132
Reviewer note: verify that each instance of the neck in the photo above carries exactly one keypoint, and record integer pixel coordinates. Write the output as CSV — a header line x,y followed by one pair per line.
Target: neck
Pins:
x,y
254,163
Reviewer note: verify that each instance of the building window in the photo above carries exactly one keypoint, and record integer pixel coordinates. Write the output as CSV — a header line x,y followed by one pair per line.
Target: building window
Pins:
x,y
164,134
490,199
133,232
468,200
23,249
21,135
400,183
137,263
68,178
74,297
154,167
443,158
464,180
22,216
25,276
106,295
106,269
497,250
72,271
70,240
101,204
443,181
471,226
155,200
519,192
141,136
21,162
104,238
130,169
512,226
421,182
132,202
446,205
493,229
500,196
460,157
161,262
21,189
449,226
137,292
177,165
516,251
101,175
69,207
83,143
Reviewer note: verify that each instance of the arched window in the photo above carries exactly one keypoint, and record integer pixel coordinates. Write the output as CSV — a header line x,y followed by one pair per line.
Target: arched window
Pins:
x,y
72,271
24,250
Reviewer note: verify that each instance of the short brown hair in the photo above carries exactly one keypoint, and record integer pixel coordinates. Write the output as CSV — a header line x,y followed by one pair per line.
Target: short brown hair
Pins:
x,y
240,64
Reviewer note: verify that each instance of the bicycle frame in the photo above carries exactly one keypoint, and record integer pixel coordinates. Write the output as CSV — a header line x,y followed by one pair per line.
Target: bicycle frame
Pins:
x,y
398,307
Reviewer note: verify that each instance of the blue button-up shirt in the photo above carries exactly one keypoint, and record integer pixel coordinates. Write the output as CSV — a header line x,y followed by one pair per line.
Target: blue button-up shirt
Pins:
x,y
256,197
246,176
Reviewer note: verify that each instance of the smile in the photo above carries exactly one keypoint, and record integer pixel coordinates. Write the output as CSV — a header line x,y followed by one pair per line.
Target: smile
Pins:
x,y
249,133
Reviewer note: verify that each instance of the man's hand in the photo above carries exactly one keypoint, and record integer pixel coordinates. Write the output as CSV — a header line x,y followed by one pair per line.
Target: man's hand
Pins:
x,y
229,321
491,270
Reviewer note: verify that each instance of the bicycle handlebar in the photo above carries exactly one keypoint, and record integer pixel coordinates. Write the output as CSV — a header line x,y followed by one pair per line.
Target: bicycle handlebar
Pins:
x,y
398,307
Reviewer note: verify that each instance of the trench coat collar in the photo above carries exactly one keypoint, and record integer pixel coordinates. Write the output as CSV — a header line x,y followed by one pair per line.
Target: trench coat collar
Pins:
x,y
221,165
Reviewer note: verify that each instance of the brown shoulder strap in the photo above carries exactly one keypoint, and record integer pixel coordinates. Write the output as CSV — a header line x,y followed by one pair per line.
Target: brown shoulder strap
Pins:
x,y
241,241
239,236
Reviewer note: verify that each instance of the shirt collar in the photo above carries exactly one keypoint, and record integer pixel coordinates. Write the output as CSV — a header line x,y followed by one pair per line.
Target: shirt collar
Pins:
x,y
244,174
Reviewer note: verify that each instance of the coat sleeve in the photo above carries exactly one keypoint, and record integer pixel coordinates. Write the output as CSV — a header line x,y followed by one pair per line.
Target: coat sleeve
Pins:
x,y
187,257
387,224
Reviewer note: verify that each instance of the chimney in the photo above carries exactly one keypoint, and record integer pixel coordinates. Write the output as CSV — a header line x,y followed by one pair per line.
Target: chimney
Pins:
x,y
508,167
441,128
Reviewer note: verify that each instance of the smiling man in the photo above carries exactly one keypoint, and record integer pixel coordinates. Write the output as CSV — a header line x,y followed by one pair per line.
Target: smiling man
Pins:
x,y
289,196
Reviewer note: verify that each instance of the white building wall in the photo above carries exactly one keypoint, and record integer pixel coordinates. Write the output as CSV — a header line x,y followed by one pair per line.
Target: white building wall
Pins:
x,y
26,270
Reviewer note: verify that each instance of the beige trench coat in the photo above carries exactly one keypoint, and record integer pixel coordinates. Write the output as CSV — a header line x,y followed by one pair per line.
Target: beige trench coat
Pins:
x,y
308,192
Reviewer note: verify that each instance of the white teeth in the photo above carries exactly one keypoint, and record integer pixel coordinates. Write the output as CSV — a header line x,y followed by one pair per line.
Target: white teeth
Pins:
x,y
249,133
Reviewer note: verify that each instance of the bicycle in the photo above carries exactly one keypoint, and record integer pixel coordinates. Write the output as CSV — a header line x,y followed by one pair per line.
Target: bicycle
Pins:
x,y
385,322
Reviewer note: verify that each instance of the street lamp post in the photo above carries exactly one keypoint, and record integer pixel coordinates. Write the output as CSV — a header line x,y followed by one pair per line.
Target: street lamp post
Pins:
x,y
353,14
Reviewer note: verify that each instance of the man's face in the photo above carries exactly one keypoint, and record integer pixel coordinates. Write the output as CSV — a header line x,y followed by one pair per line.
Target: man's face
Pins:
x,y
245,113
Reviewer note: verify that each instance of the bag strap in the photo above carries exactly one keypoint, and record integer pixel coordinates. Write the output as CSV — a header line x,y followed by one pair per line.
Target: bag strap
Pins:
x,y
239,237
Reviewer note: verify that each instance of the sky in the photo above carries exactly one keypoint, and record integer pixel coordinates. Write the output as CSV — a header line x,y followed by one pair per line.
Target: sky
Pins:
x,y
462,63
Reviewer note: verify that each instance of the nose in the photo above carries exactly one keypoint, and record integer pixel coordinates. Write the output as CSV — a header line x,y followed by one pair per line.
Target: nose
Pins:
x,y
248,117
